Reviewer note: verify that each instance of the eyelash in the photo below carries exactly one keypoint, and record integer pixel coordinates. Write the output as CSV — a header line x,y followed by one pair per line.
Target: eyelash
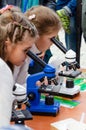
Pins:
x,y
26,50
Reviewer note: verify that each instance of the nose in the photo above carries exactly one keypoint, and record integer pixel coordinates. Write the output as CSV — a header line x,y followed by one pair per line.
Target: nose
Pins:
x,y
26,56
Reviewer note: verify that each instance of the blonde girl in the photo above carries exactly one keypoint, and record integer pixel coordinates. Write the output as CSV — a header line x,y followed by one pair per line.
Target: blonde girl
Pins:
x,y
17,36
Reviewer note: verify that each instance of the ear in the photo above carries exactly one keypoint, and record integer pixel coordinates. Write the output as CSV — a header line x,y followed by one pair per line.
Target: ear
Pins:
x,y
7,42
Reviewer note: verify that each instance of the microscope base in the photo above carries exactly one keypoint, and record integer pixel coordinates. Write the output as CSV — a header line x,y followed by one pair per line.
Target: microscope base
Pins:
x,y
20,116
43,109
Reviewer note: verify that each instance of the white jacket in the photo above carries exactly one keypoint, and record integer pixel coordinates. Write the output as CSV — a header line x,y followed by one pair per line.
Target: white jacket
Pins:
x,y
6,98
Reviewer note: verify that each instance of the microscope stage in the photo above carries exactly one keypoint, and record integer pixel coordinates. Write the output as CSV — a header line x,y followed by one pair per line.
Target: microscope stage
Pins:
x,y
61,90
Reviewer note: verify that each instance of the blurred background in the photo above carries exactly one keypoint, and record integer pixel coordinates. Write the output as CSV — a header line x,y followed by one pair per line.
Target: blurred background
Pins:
x,y
57,52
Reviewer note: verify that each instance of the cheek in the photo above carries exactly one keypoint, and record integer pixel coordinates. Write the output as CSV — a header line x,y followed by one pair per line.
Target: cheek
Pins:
x,y
17,58
20,55
47,44
44,44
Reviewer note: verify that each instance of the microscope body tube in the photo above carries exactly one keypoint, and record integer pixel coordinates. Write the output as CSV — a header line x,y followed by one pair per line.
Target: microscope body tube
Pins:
x,y
48,69
36,59
59,45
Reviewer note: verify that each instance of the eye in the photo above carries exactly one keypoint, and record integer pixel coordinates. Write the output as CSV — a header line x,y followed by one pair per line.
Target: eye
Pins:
x,y
26,50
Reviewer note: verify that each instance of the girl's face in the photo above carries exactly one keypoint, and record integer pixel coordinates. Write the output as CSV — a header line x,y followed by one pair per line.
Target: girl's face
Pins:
x,y
16,53
44,42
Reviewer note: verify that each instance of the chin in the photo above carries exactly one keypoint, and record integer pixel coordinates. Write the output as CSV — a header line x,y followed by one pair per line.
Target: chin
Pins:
x,y
20,63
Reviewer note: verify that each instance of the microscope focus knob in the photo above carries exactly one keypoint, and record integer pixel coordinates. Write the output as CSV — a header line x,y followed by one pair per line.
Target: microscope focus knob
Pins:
x,y
49,100
31,96
69,83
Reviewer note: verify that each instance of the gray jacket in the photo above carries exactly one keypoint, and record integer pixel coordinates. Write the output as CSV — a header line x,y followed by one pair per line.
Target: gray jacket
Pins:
x,y
84,18
11,2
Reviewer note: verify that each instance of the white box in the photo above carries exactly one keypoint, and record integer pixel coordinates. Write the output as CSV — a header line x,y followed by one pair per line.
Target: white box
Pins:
x,y
68,124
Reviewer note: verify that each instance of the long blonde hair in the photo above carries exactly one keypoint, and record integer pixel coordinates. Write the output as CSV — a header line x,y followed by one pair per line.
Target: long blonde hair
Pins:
x,y
44,18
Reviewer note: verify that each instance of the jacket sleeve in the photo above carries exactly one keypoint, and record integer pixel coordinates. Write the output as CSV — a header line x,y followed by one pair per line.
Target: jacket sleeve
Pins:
x,y
6,98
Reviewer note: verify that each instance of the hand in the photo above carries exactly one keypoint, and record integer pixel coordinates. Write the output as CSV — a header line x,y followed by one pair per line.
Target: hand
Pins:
x,y
45,81
65,19
53,81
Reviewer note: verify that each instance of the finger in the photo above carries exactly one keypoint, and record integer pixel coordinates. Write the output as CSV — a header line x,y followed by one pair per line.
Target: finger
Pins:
x,y
46,81
38,83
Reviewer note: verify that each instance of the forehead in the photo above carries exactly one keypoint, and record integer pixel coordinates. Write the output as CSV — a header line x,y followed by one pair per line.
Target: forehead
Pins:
x,y
25,43
52,34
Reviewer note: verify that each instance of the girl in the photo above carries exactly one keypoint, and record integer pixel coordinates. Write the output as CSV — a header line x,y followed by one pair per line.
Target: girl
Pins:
x,y
17,35
48,26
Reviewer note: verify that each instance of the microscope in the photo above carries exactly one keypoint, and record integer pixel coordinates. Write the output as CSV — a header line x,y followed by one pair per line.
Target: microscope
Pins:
x,y
19,115
46,106
70,71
